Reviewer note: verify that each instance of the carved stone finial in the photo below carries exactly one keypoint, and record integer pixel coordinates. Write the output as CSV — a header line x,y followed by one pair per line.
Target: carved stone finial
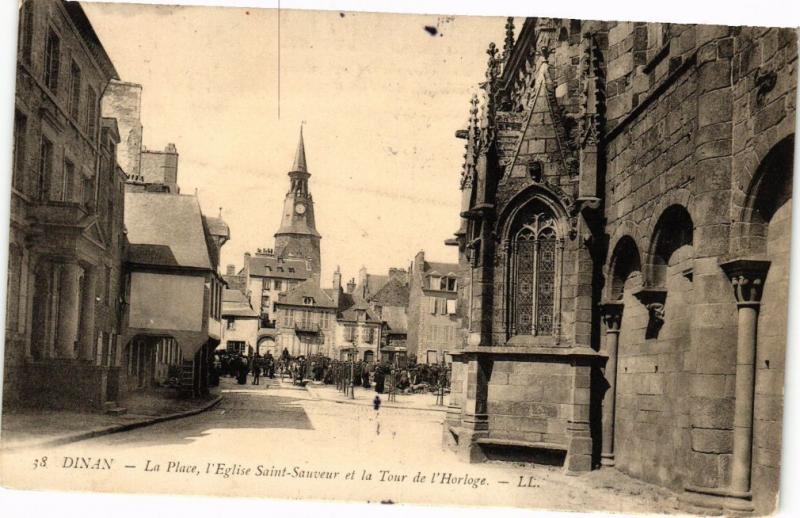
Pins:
x,y
508,45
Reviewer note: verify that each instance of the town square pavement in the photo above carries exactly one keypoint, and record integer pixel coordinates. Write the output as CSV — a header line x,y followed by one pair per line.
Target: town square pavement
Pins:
x,y
274,440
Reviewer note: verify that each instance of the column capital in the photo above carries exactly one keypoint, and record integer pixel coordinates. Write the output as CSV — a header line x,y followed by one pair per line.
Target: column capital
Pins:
x,y
611,313
747,277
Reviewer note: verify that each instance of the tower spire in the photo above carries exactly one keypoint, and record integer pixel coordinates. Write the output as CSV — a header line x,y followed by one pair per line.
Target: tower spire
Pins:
x,y
300,155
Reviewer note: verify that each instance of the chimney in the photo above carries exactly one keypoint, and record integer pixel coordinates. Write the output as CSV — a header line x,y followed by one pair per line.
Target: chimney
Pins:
x,y
337,285
337,279
231,269
399,274
351,286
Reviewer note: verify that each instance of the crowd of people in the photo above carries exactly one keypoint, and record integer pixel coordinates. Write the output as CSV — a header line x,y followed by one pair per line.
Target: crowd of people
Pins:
x,y
382,376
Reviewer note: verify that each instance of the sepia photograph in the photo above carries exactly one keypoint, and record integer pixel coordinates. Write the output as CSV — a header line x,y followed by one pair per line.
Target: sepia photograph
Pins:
x,y
389,258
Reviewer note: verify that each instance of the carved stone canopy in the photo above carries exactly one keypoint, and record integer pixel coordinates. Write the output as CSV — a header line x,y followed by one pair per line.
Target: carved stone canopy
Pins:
x,y
747,275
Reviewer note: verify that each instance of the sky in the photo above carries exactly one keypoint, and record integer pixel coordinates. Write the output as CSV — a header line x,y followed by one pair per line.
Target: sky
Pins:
x,y
379,96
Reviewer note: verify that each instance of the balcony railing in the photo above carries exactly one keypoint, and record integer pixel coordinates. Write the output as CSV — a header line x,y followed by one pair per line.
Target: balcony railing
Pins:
x,y
306,328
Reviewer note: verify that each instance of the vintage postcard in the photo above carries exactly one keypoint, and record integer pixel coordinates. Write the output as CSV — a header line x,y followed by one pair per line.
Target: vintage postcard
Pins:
x,y
368,257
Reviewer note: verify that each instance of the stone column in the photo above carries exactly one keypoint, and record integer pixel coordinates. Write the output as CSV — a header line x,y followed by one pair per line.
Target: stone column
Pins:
x,y
612,317
579,450
747,277
88,309
68,310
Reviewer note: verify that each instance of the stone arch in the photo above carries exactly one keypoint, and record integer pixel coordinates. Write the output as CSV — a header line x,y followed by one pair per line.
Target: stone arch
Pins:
x,y
533,233
770,187
625,261
673,230
537,193
267,343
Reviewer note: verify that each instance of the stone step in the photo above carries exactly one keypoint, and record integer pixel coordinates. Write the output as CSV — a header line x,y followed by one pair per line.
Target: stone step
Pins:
x,y
116,411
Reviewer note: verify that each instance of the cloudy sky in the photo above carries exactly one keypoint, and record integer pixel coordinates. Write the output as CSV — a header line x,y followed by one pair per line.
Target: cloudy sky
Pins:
x,y
381,98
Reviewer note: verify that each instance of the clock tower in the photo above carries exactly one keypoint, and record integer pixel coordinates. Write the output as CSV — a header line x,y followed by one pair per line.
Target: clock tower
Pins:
x,y
297,235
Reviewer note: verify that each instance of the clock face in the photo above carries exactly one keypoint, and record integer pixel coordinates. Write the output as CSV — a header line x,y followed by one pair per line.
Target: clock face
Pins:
x,y
300,208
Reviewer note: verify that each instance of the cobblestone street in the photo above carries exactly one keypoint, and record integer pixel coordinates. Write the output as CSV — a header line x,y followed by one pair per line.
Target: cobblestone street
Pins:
x,y
248,429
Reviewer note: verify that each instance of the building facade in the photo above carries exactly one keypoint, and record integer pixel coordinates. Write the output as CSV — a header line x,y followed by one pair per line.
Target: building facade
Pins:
x,y
625,233
433,319
66,241
239,324
306,320
146,170
173,289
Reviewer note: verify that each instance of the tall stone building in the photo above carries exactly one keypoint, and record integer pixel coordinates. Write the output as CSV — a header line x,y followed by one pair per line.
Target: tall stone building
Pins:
x,y
66,240
433,310
625,234
146,170
297,236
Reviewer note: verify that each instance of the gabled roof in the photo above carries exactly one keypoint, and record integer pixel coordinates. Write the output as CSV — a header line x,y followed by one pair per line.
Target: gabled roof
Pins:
x,y
309,288
441,268
371,285
351,305
396,318
260,263
235,304
393,293
165,230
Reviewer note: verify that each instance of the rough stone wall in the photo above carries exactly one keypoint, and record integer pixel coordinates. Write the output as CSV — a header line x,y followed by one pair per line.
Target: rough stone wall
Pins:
x,y
692,118
529,401
123,101
770,364
161,167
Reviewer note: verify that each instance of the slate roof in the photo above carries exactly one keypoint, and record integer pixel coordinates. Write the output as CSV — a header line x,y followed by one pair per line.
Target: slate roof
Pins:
x,y
235,304
217,227
351,304
396,318
393,293
308,288
441,268
259,264
372,285
165,230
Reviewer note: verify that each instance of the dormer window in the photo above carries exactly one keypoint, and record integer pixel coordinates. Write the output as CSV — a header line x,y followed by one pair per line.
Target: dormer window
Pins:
x,y
291,269
308,301
435,282
280,268
268,268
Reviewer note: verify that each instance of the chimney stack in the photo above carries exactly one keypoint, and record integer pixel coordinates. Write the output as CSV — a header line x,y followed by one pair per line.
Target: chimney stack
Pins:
x,y
231,270
351,286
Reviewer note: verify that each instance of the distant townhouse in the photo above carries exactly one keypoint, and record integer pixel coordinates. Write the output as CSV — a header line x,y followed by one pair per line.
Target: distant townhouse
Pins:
x,y
306,320
239,324
433,323
63,311
390,305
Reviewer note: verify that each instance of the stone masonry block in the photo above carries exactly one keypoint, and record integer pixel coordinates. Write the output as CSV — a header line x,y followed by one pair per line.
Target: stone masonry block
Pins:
x,y
714,107
712,440
711,412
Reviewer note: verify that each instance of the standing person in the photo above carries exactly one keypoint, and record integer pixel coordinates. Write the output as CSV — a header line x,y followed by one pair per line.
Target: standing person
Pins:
x,y
379,379
242,372
256,370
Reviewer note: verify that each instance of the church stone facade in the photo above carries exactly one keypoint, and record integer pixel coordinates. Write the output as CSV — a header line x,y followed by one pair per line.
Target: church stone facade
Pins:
x,y
625,242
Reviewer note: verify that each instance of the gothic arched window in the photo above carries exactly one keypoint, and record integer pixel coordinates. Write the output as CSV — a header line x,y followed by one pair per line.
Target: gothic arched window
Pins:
x,y
534,275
